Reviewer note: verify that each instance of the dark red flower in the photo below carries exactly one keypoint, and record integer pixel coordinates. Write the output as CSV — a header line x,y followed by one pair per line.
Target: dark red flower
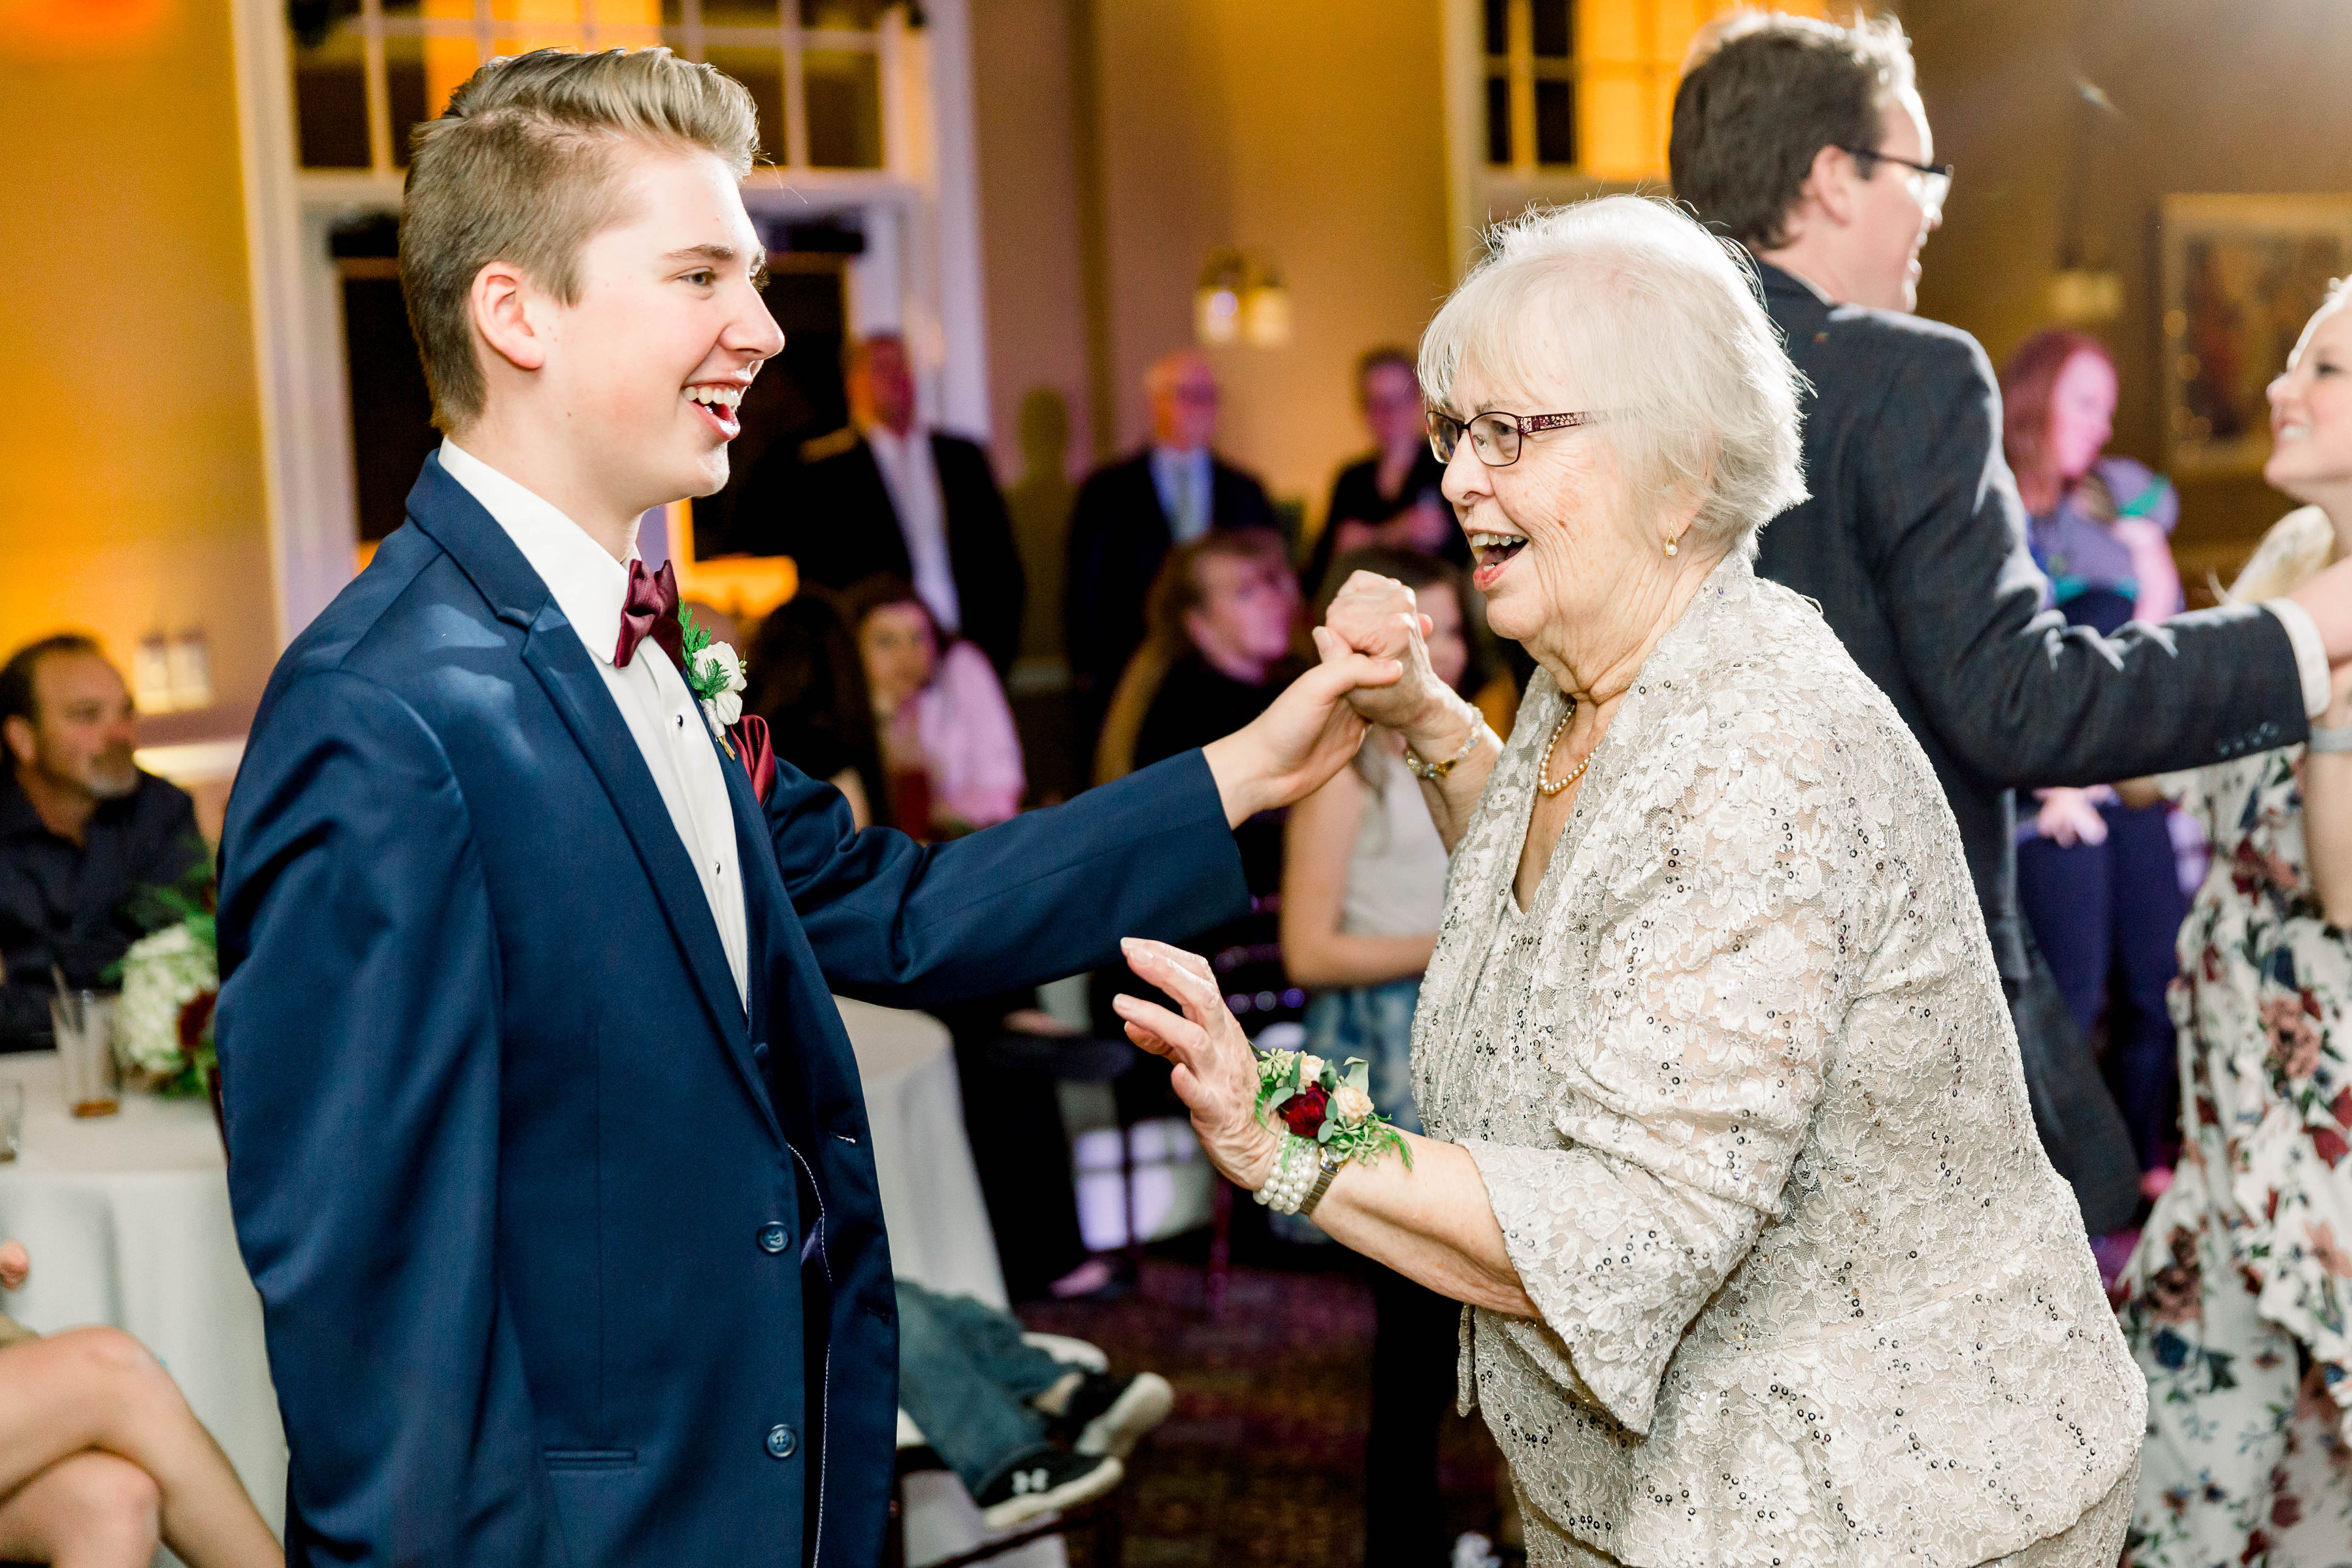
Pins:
x,y
195,1018
1303,1112
2329,1146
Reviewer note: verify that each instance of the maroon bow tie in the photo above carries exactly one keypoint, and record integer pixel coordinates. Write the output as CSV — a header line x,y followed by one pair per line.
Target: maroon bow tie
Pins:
x,y
651,610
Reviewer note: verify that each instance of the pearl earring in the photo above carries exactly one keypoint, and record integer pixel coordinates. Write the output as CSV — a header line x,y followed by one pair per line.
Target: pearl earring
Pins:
x,y
1673,548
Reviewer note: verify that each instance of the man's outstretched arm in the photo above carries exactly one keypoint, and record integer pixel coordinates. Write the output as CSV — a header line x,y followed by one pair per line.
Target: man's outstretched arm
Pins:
x,y
1051,892
358,1047
2020,696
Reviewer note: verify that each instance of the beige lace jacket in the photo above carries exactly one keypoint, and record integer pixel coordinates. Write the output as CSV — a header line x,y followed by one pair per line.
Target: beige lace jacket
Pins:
x,y
1745,1096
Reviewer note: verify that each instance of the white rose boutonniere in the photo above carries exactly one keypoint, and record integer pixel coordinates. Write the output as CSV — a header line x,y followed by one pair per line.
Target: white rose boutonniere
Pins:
x,y
714,672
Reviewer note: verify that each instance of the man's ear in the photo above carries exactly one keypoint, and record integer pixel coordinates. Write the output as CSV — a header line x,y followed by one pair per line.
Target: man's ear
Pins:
x,y
23,745
506,315
1829,187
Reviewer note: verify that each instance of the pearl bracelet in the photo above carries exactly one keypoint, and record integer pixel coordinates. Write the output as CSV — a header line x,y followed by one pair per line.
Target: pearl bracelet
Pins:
x,y
1293,1177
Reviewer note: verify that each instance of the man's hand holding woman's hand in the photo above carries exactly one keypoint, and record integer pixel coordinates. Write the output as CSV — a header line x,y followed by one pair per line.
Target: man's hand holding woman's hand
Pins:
x,y
1375,616
1307,735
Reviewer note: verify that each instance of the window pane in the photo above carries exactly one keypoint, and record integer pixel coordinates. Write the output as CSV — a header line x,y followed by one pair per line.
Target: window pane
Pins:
x,y
1555,27
843,88
1498,119
1554,123
330,103
865,14
761,71
1498,27
404,80
742,13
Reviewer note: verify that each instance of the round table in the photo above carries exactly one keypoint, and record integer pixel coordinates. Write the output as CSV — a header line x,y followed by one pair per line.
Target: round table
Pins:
x,y
126,1220
932,1207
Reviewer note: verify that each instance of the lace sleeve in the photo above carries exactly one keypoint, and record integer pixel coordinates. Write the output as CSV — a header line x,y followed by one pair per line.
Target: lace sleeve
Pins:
x,y
1689,1074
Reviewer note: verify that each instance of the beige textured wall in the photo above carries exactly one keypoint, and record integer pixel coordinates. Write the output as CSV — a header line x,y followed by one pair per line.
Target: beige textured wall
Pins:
x,y
130,471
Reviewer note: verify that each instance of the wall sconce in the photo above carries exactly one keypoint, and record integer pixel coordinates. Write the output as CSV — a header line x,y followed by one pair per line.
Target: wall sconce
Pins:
x,y
1240,299
172,675
2083,297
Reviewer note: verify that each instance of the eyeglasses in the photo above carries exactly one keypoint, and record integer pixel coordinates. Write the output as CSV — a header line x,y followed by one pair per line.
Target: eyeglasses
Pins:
x,y
1495,438
1930,183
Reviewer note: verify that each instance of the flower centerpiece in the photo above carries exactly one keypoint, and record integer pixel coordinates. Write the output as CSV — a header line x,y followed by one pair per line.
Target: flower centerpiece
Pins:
x,y
171,980
1310,1098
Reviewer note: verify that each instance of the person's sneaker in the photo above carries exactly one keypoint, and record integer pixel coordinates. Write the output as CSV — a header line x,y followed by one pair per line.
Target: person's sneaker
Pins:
x,y
1044,1481
1111,1416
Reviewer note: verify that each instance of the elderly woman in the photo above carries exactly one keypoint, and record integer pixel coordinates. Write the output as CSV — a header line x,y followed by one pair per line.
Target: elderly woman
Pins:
x,y
1728,1148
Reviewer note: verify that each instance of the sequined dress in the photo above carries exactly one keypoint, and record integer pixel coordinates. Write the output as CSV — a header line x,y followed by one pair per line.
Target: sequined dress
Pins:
x,y
1745,1094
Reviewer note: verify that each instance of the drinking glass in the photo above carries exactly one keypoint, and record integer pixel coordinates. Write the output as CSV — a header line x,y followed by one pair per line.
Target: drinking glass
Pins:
x,y
11,1117
84,1023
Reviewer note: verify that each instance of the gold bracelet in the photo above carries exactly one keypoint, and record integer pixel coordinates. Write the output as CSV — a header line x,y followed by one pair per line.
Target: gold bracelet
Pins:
x,y
1421,769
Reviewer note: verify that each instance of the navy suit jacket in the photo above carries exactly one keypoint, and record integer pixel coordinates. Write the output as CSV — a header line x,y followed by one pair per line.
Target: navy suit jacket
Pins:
x,y
564,1259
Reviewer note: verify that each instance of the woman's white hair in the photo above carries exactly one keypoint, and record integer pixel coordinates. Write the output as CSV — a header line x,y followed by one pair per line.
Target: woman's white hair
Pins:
x,y
1656,326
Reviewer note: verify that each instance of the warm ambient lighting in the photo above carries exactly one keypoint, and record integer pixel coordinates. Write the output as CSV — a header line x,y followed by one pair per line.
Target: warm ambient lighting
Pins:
x,y
80,29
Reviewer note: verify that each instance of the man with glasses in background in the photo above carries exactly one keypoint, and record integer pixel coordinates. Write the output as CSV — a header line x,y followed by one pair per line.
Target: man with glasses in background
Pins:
x,y
1808,145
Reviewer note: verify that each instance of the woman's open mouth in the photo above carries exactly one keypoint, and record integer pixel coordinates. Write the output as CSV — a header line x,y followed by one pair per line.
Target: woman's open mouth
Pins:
x,y
1492,551
717,405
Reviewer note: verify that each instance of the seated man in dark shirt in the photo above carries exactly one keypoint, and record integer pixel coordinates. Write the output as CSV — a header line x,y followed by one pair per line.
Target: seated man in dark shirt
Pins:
x,y
82,830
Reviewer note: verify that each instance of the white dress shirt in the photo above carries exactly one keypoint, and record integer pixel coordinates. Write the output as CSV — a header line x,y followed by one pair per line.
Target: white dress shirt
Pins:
x,y
912,478
1186,482
661,712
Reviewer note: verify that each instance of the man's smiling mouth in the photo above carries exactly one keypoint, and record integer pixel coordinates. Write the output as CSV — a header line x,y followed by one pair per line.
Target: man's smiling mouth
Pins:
x,y
717,405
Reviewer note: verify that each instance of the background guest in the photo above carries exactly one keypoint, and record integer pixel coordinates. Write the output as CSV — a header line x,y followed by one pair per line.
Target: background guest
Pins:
x,y
802,674
1390,498
2237,1300
1363,885
100,1458
82,830
1224,616
884,494
1131,513
2097,879
947,735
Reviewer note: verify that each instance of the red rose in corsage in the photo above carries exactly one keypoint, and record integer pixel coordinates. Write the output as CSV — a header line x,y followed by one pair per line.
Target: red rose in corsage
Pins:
x,y
1313,1099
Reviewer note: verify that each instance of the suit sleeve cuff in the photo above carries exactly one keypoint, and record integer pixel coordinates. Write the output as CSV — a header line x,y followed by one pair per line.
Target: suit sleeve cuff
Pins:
x,y
2310,654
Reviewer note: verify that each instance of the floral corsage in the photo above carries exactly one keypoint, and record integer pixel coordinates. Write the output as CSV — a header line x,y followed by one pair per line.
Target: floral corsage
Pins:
x,y
714,673
1328,1113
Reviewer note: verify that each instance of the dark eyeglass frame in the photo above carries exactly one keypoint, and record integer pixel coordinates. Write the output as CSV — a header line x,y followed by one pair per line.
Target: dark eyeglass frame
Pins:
x,y
1446,432
1943,171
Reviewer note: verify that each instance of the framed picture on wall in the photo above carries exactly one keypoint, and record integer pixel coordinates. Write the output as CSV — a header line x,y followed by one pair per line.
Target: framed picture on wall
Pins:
x,y
2241,274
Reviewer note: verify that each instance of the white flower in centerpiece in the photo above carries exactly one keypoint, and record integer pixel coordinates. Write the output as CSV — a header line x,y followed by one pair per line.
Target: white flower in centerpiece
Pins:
x,y
1310,1067
161,973
1352,1105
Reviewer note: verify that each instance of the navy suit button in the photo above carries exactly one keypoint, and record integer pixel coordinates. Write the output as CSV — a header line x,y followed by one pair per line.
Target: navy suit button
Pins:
x,y
774,1237
782,1442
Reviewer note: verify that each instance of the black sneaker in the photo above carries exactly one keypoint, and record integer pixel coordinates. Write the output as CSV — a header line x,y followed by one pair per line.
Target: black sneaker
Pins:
x,y
1111,1416
1044,1481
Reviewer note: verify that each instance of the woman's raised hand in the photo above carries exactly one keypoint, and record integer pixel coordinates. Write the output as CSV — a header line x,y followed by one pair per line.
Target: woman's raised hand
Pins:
x,y
1375,616
1215,1068
16,1263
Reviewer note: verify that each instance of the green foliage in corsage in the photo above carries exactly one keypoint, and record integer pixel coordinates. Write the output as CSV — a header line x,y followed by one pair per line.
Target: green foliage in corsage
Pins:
x,y
1310,1097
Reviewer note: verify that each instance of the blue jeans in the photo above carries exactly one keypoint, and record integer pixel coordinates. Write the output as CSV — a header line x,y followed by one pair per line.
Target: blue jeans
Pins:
x,y
967,1379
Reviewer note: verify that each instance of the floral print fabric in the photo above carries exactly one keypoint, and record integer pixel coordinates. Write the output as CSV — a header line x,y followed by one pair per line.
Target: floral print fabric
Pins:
x,y
2235,1300
1743,1088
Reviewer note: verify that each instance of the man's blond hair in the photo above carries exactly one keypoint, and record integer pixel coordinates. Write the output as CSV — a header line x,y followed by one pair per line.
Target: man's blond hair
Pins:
x,y
525,167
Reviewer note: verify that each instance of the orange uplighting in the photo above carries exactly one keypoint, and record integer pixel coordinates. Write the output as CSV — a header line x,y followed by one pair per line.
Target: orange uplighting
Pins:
x,y
79,30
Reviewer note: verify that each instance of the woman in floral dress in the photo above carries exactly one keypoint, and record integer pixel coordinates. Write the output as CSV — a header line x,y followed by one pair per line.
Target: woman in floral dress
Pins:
x,y
2236,1299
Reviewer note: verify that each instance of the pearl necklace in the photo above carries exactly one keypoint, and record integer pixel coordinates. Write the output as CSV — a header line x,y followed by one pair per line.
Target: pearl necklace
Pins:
x,y
1543,769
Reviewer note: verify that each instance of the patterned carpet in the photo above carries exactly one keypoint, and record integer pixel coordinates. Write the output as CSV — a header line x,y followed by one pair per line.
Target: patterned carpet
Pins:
x,y
1262,1460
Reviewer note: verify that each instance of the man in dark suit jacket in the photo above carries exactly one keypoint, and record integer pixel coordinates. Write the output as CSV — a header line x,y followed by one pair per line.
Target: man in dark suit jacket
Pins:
x,y
1131,513
883,495
1808,145
548,1152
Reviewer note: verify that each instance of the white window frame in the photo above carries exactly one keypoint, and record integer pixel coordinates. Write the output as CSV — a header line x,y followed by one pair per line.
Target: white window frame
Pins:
x,y
920,273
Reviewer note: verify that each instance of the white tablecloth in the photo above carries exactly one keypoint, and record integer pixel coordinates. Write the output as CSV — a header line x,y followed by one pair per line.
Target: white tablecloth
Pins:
x,y
931,1193
127,1222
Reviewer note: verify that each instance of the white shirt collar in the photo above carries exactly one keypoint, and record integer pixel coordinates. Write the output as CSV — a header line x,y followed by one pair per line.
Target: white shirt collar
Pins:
x,y
1818,291
589,585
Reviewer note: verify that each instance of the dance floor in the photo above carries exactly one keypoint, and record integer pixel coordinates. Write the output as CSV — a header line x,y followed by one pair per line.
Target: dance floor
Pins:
x,y
1262,1460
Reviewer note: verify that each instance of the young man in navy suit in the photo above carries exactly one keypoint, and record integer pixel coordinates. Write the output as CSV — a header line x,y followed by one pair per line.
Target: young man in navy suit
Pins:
x,y
548,1152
